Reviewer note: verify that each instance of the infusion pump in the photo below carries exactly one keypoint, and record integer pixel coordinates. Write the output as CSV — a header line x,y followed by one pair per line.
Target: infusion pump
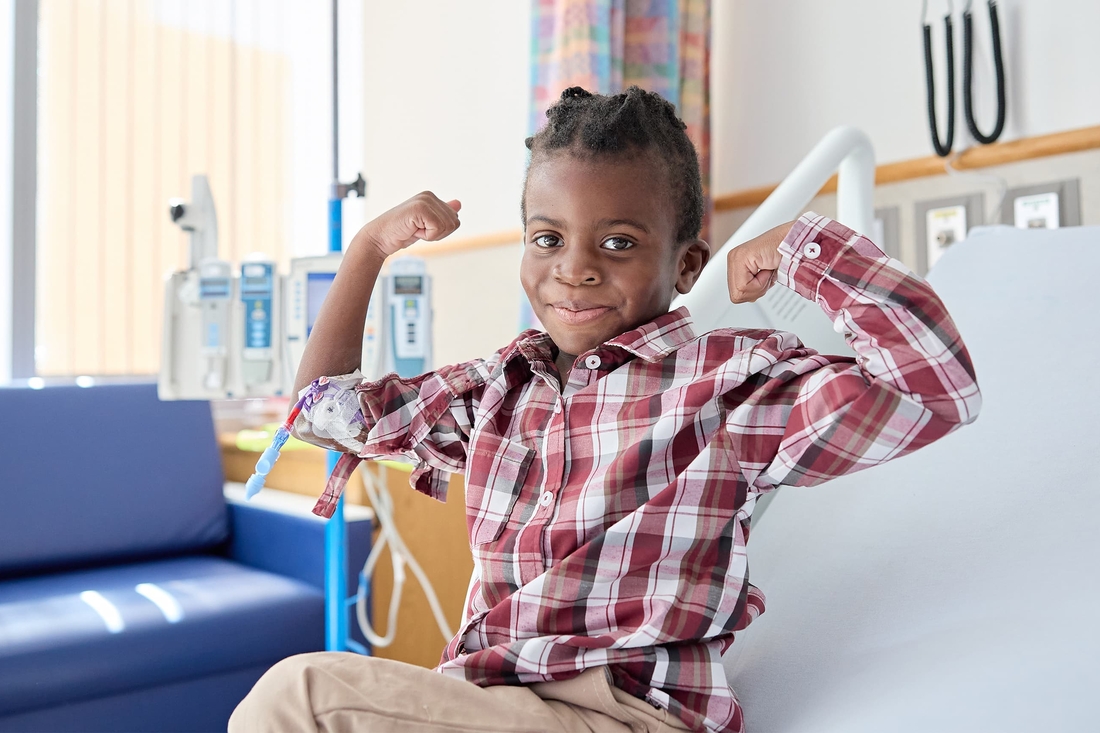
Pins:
x,y
407,308
398,328
222,330
220,333
240,331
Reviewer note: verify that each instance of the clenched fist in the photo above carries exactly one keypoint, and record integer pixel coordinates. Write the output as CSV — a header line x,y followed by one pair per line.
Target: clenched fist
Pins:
x,y
424,216
751,267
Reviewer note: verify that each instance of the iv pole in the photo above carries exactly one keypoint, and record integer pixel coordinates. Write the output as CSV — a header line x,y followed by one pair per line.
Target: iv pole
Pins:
x,y
336,560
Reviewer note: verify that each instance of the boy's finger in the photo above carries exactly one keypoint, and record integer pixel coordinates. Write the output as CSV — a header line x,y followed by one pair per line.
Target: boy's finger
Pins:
x,y
762,279
437,225
746,287
447,212
455,204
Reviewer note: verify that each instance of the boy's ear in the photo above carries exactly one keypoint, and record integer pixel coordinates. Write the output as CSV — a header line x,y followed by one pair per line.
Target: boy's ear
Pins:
x,y
694,255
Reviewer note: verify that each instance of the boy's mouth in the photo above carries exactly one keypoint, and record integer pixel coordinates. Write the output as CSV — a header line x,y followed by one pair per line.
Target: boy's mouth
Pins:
x,y
575,312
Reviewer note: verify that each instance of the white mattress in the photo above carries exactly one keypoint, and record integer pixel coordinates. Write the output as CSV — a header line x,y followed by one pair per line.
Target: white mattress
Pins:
x,y
957,589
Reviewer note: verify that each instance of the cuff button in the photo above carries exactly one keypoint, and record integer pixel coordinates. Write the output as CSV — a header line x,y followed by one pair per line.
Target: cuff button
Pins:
x,y
811,251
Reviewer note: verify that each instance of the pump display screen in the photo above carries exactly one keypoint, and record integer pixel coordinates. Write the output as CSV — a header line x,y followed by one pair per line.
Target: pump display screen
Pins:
x,y
408,285
317,287
256,281
255,272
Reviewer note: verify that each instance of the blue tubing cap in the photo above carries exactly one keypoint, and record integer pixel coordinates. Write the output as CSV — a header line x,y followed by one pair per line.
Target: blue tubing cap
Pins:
x,y
253,485
264,465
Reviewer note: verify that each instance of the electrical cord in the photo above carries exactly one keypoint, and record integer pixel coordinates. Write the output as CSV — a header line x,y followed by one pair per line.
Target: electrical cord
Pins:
x,y
994,215
382,502
999,70
943,149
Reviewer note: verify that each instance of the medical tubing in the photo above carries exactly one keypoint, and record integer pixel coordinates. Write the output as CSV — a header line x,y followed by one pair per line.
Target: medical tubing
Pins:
x,y
400,556
942,149
368,570
999,68
267,459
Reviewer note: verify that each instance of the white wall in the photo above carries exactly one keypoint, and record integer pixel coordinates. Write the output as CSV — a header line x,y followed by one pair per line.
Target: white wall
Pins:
x,y
445,103
7,10
310,53
302,31
787,71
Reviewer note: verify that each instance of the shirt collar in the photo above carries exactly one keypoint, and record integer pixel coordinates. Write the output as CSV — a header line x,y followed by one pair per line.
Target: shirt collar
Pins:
x,y
651,341
658,338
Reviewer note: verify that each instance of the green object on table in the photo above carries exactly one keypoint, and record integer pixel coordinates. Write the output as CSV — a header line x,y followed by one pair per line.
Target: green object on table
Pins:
x,y
257,440
396,465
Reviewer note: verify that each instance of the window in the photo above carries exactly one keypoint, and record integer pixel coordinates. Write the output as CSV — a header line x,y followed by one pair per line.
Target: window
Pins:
x,y
134,97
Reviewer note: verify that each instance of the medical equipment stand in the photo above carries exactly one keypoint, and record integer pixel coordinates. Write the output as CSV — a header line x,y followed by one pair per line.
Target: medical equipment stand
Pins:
x,y
336,559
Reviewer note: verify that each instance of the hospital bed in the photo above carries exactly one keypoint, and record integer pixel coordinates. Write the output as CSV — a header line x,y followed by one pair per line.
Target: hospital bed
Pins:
x,y
956,589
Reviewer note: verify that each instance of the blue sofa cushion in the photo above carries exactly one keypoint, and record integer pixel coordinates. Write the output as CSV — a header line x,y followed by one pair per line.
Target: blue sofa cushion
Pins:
x,y
84,634
105,473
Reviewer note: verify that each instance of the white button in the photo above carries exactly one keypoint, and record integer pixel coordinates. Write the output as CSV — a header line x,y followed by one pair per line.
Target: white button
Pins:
x,y
811,251
592,362
546,499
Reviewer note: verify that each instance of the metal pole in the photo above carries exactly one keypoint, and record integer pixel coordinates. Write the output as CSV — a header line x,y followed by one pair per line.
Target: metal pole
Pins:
x,y
336,577
25,189
335,98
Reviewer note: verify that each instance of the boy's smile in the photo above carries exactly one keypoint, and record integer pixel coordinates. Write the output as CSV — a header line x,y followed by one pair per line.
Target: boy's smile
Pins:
x,y
600,253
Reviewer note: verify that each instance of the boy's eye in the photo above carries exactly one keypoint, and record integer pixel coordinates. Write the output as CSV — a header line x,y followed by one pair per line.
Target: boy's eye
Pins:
x,y
547,241
617,243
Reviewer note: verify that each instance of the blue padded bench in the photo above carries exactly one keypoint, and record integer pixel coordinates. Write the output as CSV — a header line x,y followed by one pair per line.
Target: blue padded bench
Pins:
x,y
132,596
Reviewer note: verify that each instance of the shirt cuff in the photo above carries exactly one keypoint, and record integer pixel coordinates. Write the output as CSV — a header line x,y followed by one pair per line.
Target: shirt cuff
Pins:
x,y
809,250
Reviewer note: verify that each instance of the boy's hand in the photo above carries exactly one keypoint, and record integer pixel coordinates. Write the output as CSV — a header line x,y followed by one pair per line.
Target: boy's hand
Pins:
x,y
424,216
751,267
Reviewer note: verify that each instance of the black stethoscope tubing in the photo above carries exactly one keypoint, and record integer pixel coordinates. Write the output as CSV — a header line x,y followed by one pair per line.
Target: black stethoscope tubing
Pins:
x,y
999,69
943,148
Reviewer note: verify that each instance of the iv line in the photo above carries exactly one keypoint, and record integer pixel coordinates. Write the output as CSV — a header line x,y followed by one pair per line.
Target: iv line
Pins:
x,y
400,554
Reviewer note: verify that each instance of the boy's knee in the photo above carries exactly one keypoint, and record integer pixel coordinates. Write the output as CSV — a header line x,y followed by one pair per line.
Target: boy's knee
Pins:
x,y
288,675
281,694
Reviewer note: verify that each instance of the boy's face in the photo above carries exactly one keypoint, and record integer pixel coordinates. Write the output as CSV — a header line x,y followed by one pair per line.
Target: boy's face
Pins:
x,y
600,253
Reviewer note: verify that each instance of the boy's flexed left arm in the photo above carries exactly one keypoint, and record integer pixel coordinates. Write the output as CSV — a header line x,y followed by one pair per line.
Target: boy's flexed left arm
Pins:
x,y
811,417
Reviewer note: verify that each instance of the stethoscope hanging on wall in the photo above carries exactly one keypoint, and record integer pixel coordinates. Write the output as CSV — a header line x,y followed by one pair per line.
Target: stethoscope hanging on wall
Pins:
x,y
999,69
943,149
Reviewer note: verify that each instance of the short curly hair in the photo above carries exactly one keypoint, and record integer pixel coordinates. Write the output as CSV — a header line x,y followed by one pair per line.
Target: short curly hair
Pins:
x,y
633,122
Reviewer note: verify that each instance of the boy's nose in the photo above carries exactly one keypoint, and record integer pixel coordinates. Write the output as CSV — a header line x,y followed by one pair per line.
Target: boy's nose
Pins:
x,y
577,266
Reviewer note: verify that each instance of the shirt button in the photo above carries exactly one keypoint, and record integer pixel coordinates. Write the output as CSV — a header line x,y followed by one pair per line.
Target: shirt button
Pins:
x,y
811,251
592,362
546,499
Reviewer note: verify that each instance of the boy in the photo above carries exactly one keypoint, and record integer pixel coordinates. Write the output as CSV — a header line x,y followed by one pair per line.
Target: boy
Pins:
x,y
613,462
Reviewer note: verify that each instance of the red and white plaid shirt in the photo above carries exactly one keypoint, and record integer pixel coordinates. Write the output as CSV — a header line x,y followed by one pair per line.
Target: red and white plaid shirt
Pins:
x,y
609,519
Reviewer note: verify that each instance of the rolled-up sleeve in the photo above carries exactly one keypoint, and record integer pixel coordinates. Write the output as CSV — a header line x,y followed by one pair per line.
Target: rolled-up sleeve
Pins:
x,y
813,417
425,419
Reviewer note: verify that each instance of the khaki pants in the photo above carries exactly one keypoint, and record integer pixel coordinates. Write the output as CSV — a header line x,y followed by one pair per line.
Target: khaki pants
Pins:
x,y
342,692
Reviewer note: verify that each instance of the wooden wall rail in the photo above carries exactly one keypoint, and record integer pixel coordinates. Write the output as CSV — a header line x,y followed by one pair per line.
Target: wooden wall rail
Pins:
x,y
465,244
1058,143
985,156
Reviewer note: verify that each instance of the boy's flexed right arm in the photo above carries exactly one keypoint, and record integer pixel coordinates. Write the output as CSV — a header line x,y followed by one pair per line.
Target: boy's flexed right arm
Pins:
x,y
335,344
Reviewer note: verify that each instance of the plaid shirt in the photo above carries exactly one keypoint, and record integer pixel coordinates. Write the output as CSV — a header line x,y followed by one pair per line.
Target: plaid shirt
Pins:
x,y
609,519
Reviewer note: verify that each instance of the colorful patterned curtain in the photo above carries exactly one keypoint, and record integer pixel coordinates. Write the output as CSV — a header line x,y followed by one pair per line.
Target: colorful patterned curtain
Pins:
x,y
606,46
